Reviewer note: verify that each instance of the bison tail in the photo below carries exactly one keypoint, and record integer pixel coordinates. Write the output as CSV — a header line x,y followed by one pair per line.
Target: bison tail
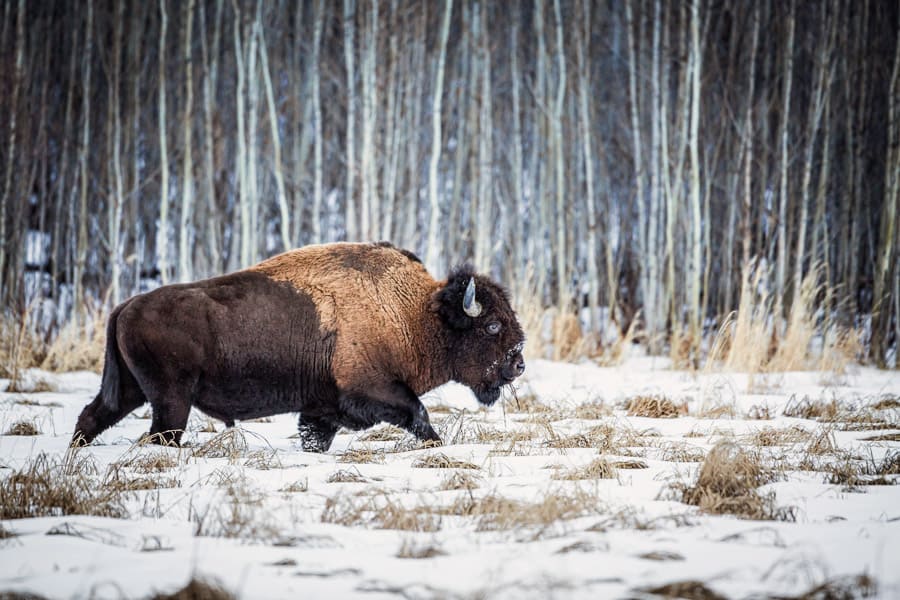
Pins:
x,y
109,384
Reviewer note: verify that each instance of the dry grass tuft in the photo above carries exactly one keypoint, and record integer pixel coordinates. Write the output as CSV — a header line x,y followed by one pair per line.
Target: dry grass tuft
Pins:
x,y
807,408
239,515
680,452
629,464
231,444
52,487
156,462
78,347
654,406
770,436
362,456
6,534
460,480
687,590
411,549
848,587
347,476
599,468
24,428
759,412
299,486
727,484
442,461
497,513
887,402
528,404
385,433
885,437
379,512
593,411
197,589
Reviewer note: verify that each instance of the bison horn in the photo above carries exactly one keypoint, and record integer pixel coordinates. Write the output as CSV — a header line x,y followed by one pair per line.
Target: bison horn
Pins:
x,y
470,305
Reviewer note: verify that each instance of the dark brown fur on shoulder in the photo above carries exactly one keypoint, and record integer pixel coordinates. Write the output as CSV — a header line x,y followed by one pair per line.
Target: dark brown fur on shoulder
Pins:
x,y
345,334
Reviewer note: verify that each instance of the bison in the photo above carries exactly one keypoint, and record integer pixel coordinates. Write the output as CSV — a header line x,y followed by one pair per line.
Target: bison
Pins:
x,y
346,334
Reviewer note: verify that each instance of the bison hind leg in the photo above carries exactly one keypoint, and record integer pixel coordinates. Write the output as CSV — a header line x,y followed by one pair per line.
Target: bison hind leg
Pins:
x,y
170,417
316,435
97,416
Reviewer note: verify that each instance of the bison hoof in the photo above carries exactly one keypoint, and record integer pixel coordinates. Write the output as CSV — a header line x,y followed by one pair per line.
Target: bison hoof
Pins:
x,y
315,436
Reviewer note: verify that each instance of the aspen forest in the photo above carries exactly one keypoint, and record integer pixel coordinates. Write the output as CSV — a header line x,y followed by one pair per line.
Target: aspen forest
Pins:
x,y
636,169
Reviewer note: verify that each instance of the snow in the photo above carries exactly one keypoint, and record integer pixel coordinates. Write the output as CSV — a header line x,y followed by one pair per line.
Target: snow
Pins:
x,y
285,549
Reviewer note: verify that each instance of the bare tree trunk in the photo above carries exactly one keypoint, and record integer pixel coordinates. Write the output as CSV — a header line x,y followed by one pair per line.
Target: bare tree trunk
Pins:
x,y
432,252
317,124
781,268
484,231
696,54
185,246
12,144
564,292
118,192
520,256
821,83
162,234
82,241
634,104
882,304
370,211
285,218
209,85
352,213
748,156
592,274
251,63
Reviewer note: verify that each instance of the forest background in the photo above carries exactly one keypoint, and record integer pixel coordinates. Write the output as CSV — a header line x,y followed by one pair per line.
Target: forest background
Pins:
x,y
659,163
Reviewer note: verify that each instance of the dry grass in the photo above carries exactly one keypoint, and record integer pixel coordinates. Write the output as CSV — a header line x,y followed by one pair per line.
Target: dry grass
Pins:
x,y
759,412
852,472
496,513
197,589
412,549
385,433
78,347
727,484
460,480
655,406
770,436
527,403
239,515
231,444
362,456
49,486
379,512
745,336
23,428
442,461
687,590
347,476
807,408
592,411
630,463
296,487
599,468
680,452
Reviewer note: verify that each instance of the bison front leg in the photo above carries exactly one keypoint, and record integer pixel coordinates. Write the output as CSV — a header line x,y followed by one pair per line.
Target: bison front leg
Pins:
x,y
395,404
316,435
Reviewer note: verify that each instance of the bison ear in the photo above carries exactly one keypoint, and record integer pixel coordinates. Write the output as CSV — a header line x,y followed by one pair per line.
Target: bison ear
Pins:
x,y
447,302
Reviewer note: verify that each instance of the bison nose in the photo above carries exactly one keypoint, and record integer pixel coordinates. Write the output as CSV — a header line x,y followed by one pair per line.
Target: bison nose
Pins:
x,y
519,366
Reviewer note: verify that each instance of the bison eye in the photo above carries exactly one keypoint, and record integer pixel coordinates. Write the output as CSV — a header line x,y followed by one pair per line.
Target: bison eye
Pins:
x,y
493,328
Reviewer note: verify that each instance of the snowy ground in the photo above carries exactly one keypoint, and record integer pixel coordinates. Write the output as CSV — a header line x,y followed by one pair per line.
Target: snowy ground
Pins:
x,y
252,512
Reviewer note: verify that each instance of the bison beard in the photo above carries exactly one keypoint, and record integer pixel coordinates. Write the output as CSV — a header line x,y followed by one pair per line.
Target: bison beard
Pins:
x,y
348,335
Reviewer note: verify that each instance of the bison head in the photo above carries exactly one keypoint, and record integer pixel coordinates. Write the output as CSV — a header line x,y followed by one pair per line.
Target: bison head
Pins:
x,y
484,338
